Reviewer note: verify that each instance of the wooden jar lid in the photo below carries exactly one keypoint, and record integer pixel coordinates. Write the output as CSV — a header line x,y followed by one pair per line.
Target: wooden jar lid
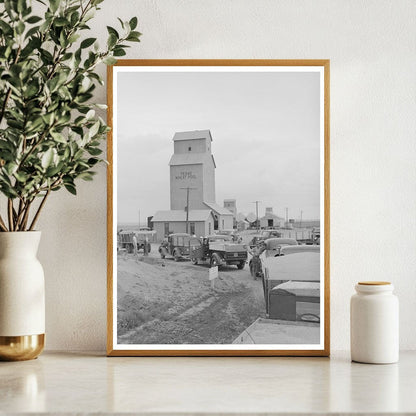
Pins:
x,y
374,283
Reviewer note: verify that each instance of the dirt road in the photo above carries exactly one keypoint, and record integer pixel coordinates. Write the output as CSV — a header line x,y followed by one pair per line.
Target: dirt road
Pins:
x,y
167,302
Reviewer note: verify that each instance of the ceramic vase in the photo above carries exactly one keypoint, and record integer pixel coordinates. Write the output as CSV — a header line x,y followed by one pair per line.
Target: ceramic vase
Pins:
x,y
22,296
374,323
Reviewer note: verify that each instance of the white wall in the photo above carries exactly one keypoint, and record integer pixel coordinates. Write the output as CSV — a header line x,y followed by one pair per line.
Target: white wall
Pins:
x,y
371,44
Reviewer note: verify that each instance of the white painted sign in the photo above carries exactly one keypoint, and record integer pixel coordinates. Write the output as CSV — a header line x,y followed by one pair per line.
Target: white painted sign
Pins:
x,y
213,273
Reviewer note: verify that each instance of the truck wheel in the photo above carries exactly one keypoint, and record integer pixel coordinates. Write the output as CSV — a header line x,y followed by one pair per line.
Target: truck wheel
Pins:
x,y
215,260
130,248
149,247
240,266
176,255
194,260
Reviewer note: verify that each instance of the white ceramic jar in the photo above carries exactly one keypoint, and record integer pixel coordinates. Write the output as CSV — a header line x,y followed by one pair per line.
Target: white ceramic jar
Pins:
x,y
374,323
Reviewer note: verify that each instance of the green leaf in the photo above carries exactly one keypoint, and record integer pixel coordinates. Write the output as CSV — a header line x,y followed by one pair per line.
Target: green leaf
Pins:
x,y
133,23
119,52
92,161
31,31
6,29
20,28
63,41
111,30
73,38
134,37
52,171
121,22
112,40
60,138
87,42
33,19
94,129
21,5
21,177
74,18
53,83
86,176
90,114
61,21
89,15
11,168
94,151
70,188
47,158
10,8
48,118
54,4
67,153
35,125
31,90
110,60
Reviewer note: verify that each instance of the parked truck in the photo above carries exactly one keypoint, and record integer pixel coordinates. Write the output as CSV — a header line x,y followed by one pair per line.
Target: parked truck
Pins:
x,y
178,246
219,250
126,240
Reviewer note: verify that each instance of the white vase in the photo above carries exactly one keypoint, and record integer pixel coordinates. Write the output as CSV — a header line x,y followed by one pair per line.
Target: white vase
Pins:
x,y
374,323
22,296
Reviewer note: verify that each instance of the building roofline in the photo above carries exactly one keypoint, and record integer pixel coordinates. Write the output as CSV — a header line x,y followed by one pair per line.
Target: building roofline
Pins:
x,y
175,138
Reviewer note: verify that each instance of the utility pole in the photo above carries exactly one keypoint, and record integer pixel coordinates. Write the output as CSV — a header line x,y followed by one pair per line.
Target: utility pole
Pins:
x,y
187,207
139,219
287,215
257,214
301,215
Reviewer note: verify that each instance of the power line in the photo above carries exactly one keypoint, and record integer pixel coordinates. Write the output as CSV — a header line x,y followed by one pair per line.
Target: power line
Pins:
x,y
257,213
187,207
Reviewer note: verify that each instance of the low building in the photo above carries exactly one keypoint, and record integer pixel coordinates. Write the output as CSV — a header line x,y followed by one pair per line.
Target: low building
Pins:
x,y
270,220
223,218
200,222
231,205
242,225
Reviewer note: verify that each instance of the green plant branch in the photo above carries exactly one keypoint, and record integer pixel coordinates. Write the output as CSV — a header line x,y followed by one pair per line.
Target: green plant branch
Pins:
x,y
20,212
10,213
34,145
62,51
26,215
2,224
35,218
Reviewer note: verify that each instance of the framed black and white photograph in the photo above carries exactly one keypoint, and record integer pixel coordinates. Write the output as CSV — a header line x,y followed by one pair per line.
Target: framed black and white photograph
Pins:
x,y
218,207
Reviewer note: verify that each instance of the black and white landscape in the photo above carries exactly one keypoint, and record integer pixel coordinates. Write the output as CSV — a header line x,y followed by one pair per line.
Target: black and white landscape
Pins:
x,y
186,143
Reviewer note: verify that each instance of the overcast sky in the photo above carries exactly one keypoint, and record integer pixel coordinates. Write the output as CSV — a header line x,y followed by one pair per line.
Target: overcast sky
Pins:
x,y
265,130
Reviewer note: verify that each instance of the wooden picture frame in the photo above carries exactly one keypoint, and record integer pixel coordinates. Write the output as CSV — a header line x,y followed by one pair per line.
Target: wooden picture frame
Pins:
x,y
319,71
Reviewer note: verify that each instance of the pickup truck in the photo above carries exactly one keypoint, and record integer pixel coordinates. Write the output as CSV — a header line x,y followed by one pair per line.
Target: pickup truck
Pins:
x,y
220,250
